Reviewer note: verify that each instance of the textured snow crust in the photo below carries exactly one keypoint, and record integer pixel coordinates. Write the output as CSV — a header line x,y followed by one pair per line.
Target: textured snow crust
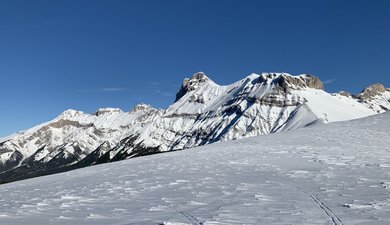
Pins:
x,y
324,174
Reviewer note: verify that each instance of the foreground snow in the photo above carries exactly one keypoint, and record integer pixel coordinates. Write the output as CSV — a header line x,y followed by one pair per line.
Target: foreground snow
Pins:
x,y
329,174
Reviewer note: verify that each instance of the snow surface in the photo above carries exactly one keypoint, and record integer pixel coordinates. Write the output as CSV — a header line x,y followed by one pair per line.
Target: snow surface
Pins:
x,y
331,108
326,174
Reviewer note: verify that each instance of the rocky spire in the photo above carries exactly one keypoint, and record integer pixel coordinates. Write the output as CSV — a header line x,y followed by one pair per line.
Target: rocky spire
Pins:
x,y
371,91
191,84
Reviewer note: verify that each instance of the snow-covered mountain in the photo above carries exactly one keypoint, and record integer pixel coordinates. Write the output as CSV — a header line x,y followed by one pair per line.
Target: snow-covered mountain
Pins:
x,y
203,112
69,138
335,174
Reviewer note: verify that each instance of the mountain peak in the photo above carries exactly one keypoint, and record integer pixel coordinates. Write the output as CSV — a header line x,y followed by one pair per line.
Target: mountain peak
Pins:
x,y
197,80
141,107
203,113
372,91
69,113
199,76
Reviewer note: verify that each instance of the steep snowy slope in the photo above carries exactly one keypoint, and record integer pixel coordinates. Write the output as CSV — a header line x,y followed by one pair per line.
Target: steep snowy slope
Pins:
x,y
329,174
203,112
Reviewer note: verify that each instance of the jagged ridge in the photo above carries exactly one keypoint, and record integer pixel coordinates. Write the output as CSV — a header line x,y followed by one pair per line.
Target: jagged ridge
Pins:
x,y
203,112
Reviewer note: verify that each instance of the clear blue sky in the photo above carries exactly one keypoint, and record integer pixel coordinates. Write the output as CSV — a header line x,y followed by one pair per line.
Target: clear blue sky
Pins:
x,y
85,54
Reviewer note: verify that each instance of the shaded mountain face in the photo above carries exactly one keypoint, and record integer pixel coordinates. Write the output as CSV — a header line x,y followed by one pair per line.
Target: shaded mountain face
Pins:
x,y
203,112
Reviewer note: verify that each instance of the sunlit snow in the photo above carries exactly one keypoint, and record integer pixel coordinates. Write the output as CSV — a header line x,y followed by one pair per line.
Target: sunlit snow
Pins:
x,y
327,174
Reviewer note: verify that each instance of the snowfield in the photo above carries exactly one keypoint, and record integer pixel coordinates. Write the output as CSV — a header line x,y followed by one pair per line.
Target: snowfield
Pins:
x,y
324,174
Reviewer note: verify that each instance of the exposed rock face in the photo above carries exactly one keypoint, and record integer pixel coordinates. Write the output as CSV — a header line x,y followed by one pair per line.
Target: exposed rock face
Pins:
x,y
64,122
191,84
371,91
141,107
287,82
376,97
314,82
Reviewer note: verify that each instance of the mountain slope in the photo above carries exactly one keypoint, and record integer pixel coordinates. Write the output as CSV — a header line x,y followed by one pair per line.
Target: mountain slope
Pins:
x,y
203,112
69,138
329,174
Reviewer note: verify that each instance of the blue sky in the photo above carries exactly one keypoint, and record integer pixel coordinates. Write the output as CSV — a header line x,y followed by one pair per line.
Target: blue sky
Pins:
x,y
85,55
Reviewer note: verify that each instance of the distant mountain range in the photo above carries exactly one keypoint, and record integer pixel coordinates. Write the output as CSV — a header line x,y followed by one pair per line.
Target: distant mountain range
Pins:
x,y
203,112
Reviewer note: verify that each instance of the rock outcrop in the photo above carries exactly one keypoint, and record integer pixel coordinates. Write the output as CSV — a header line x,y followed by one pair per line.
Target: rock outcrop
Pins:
x,y
371,92
191,84
287,82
